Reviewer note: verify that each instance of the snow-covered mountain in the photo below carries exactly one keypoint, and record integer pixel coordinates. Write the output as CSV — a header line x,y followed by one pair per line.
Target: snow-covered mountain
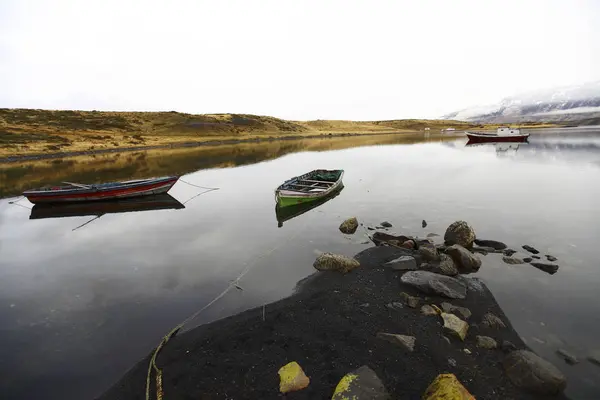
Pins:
x,y
573,103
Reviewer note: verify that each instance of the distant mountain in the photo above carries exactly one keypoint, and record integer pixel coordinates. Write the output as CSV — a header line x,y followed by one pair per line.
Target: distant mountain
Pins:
x,y
574,104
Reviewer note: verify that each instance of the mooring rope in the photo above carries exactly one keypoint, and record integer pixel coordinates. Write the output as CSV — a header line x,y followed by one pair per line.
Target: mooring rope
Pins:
x,y
233,284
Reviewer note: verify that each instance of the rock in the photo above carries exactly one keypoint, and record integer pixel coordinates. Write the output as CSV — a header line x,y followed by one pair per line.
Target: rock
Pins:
x,y
406,342
429,253
465,261
494,244
378,255
428,310
492,321
452,362
292,378
365,305
549,268
447,387
531,372
594,358
449,308
530,249
430,235
386,224
486,342
509,252
467,351
445,266
424,224
380,238
455,325
370,228
361,384
349,226
551,258
472,283
512,260
431,283
461,233
536,257
568,357
335,262
411,301
527,259
402,263
446,339
409,244
396,305
507,346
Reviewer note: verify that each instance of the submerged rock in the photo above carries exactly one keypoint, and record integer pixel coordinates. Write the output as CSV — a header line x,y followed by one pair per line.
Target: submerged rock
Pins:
x,y
551,258
461,233
568,357
536,257
528,259
531,372
430,235
406,342
386,224
483,250
349,226
455,325
447,387
361,384
335,262
594,358
292,378
509,252
512,260
486,342
411,301
450,308
402,263
424,224
496,245
492,321
429,282
466,261
549,268
530,249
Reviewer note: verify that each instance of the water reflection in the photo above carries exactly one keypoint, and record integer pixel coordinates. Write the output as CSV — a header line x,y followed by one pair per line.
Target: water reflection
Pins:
x,y
286,213
99,208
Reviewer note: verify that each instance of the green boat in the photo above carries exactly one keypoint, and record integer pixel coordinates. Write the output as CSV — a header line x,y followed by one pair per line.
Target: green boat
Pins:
x,y
312,186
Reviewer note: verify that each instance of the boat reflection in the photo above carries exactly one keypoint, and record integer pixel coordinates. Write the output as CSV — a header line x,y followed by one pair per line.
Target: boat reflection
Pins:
x,y
503,149
99,208
286,213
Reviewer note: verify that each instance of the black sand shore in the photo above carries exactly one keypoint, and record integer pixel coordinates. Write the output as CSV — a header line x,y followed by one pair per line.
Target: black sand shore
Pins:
x,y
328,328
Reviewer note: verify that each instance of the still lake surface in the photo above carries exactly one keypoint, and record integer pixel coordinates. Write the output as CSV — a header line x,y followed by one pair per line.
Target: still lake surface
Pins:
x,y
79,307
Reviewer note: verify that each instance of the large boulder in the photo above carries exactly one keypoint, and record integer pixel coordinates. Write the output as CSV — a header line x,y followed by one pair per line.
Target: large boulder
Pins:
x,y
361,384
466,261
335,262
432,283
445,266
529,371
349,226
461,233
429,253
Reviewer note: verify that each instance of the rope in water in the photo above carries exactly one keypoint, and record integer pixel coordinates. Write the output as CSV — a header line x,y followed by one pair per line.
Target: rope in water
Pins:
x,y
233,284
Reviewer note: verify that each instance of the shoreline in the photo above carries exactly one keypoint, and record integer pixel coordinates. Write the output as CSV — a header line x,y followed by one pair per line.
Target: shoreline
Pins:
x,y
179,145
330,326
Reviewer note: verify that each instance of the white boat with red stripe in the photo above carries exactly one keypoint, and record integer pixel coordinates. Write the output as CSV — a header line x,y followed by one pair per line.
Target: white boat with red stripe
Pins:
x,y
75,192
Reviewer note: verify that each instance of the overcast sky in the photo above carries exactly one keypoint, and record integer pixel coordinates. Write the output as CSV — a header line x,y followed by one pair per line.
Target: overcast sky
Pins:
x,y
298,59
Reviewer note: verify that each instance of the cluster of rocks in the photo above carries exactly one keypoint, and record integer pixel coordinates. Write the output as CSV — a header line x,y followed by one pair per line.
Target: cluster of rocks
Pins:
x,y
437,270
364,384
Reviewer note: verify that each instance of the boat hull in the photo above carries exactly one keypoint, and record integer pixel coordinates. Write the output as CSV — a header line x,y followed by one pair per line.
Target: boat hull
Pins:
x,y
287,198
492,138
102,192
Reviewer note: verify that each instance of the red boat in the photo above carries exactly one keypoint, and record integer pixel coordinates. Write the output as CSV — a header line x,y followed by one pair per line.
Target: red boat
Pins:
x,y
73,192
503,134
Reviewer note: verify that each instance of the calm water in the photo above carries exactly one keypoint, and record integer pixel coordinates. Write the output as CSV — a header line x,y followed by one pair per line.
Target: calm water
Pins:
x,y
80,307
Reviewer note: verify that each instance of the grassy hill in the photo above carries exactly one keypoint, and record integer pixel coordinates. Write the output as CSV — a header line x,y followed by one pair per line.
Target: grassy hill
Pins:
x,y
28,131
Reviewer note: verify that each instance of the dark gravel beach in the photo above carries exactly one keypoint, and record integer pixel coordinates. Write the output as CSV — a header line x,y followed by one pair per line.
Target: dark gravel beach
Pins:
x,y
329,327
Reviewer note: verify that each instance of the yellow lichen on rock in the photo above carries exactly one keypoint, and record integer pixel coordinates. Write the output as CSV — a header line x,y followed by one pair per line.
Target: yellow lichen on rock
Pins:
x,y
292,378
447,387
343,386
